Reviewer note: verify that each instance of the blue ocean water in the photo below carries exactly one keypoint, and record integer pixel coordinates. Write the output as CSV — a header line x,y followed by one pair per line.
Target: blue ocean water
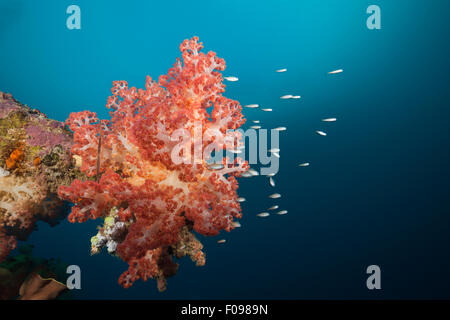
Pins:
x,y
376,191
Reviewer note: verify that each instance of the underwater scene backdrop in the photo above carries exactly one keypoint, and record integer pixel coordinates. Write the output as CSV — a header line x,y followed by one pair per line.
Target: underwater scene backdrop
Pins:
x,y
376,190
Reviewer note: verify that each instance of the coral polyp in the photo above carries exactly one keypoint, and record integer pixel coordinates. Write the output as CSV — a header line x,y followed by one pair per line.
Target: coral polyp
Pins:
x,y
151,204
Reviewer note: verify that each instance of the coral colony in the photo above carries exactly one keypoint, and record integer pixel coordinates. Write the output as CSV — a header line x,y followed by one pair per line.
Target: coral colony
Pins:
x,y
144,183
35,160
131,171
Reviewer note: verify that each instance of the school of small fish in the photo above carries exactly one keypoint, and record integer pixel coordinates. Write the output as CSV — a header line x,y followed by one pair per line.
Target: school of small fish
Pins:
x,y
275,151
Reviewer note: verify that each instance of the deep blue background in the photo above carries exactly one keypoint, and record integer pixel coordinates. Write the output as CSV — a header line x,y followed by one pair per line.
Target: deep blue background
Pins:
x,y
377,189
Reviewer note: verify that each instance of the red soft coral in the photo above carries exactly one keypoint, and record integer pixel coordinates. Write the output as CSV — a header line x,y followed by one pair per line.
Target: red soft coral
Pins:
x,y
156,197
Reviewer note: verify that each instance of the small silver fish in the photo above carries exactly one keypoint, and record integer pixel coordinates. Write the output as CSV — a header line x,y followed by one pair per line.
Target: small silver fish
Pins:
x,y
270,174
255,127
263,214
306,164
296,97
274,150
321,133
215,166
281,129
282,212
276,154
273,208
221,241
272,182
232,79
281,70
336,71
251,106
240,199
288,96
246,174
236,224
329,120
255,121
267,110
275,196
253,172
